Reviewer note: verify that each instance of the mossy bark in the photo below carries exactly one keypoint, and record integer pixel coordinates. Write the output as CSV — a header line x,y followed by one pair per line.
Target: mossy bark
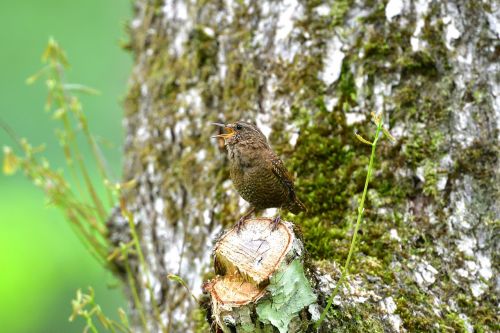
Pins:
x,y
309,73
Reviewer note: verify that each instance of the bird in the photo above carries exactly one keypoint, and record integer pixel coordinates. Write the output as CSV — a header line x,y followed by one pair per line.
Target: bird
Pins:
x,y
258,174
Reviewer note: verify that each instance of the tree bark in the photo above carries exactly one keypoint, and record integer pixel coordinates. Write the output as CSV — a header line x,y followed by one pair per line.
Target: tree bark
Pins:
x,y
309,73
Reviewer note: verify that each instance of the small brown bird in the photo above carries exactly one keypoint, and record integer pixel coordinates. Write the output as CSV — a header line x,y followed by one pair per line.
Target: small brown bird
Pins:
x,y
258,174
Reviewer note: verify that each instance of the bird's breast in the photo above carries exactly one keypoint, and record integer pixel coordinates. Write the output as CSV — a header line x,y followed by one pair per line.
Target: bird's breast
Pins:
x,y
254,179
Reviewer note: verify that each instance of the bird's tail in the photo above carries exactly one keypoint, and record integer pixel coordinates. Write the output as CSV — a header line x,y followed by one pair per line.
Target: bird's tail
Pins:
x,y
297,206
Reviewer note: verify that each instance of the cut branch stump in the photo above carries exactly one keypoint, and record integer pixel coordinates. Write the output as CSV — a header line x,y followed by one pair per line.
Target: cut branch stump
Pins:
x,y
261,285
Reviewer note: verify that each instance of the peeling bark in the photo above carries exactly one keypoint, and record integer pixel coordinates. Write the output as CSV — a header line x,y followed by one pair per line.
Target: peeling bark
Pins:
x,y
309,73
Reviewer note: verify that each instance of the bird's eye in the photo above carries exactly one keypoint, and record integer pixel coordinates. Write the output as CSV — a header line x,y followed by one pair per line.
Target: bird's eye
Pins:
x,y
239,127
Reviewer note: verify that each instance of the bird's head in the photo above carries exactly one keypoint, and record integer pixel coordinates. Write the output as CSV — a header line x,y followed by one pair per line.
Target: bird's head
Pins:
x,y
241,132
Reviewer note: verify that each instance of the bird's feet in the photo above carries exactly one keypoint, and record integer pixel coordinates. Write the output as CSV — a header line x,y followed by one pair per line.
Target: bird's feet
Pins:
x,y
240,223
276,221
245,217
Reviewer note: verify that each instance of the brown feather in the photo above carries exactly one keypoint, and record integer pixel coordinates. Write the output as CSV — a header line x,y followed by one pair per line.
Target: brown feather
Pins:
x,y
258,174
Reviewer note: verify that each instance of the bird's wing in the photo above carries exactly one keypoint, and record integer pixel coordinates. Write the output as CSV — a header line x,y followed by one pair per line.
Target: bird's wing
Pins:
x,y
282,174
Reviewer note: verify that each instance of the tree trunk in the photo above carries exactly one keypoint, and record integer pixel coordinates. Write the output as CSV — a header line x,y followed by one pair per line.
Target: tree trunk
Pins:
x,y
309,74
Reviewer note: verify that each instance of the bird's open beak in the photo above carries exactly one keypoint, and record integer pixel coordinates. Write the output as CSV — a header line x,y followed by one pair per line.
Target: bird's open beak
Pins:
x,y
230,131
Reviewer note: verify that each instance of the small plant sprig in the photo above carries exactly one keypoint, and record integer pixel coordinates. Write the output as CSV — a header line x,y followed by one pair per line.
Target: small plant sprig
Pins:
x,y
142,262
79,200
83,208
84,306
178,279
345,271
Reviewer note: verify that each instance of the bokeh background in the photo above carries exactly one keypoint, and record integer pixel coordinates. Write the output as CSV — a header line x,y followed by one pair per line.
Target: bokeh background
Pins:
x,y
42,263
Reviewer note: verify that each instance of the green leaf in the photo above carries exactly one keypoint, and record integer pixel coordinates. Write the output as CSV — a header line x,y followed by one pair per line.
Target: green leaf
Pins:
x,y
123,317
80,88
178,279
10,161
360,138
32,79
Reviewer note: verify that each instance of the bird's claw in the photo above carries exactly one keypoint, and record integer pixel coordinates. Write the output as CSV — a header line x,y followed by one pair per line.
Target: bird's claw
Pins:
x,y
276,221
240,223
242,219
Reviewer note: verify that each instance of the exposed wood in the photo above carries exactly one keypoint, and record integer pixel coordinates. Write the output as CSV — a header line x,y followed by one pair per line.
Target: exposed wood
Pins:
x,y
232,291
255,252
245,295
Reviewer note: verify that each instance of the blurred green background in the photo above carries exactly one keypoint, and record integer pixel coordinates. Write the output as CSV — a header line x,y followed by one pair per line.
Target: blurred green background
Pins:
x,y
42,263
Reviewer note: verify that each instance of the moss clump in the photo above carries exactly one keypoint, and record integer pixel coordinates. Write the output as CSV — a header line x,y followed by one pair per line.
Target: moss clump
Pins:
x,y
419,63
327,174
478,159
346,85
414,309
202,315
360,318
375,50
339,9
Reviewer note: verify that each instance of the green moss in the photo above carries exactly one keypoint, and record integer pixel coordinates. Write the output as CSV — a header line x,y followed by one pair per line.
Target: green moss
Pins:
x,y
346,85
415,311
478,159
324,175
458,324
200,316
375,49
360,318
131,101
339,9
432,33
420,62
431,178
